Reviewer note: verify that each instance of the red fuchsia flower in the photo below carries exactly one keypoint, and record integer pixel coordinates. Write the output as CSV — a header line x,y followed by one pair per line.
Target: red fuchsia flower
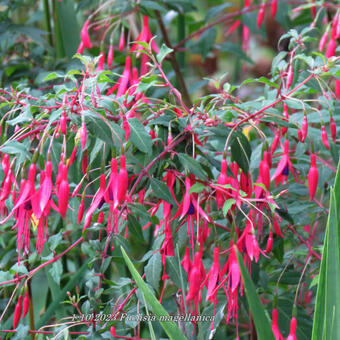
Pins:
x,y
81,210
84,35
275,141
126,127
246,184
186,262
63,120
96,201
121,45
284,166
17,312
222,180
83,135
26,303
101,62
274,8
85,162
122,181
313,176
260,15
323,41
324,137
276,226
269,242
337,88
110,56
331,47
123,81
113,331
145,36
275,325
304,128
290,75
63,193
233,27
264,170
213,276
292,333
81,47
333,129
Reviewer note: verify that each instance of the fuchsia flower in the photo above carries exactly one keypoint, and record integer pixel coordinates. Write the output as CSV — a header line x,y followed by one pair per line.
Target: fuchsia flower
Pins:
x,y
213,276
63,193
284,129
26,304
83,135
221,196
337,88
101,61
121,41
122,181
260,15
333,129
304,128
186,262
323,41
97,199
84,35
17,312
313,176
145,36
275,325
110,56
81,47
292,333
284,166
324,137
331,47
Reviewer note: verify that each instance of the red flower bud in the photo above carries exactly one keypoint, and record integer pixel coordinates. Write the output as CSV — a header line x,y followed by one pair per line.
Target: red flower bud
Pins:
x,y
110,56
323,41
26,304
85,162
81,47
122,41
101,61
331,47
260,15
324,137
81,211
337,88
275,141
84,34
186,262
274,8
17,312
313,176
63,123
83,135
333,129
304,128
122,182
290,76
269,242
126,127
63,194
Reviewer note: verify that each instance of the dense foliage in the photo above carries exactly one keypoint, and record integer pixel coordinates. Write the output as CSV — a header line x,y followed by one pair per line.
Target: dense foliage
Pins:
x,y
169,158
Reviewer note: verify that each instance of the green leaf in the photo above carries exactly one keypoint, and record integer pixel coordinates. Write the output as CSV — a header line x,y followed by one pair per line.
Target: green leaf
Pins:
x,y
191,165
326,323
172,268
227,205
42,321
241,151
197,188
139,137
56,271
163,52
17,148
213,11
135,228
158,310
161,190
262,323
153,270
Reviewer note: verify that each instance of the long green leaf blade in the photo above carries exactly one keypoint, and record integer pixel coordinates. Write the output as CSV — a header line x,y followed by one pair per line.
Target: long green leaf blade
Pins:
x,y
262,324
169,326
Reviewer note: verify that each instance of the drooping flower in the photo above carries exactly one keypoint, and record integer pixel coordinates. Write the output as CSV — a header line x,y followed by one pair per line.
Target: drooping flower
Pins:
x,y
324,137
84,34
275,325
313,176
213,276
17,312
26,303
260,15
292,332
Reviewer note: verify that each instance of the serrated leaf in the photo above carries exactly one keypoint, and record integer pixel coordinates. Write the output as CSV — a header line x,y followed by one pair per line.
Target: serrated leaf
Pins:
x,y
153,270
161,190
163,52
241,151
139,137
191,165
